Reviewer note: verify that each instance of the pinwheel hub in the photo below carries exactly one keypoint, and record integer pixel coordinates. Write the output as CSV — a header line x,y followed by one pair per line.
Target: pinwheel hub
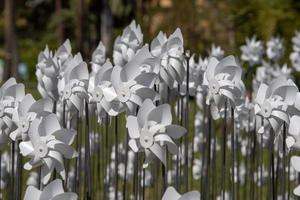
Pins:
x,y
124,94
24,125
214,87
266,109
42,149
98,94
67,93
146,139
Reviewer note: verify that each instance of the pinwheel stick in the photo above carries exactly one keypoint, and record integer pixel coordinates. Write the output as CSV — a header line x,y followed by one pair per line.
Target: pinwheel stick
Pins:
x,y
12,187
18,173
186,121
116,156
224,151
88,180
233,153
125,167
207,182
284,159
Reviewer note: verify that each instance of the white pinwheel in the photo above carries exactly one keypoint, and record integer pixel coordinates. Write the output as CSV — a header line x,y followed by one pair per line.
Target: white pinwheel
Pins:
x,y
11,94
98,57
295,60
127,45
103,94
172,194
252,51
216,51
296,42
73,83
48,68
169,52
295,162
272,103
151,131
195,77
293,139
27,111
245,117
134,82
222,80
47,146
53,191
275,49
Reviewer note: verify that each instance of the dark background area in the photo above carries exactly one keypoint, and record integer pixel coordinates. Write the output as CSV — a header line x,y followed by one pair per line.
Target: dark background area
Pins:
x,y
28,25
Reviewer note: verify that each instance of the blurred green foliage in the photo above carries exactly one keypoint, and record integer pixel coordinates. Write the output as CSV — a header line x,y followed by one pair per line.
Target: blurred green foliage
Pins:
x,y
203,22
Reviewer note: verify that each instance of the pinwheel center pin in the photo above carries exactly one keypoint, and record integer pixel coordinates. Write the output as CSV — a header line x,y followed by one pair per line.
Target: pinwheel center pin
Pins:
x,y
67,93
214,87
266,109
146,139
124,94
24,126
98,94
42,150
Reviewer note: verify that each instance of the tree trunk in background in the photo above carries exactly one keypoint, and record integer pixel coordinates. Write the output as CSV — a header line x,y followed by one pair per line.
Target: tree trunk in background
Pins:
x,y
106,25
81,28
60,25
11,56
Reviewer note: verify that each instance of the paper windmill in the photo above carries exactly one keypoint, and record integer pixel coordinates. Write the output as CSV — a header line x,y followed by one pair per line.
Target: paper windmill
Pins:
x,y
275,49
172,194
295,60
216,51
169,52
53,190
126,45
151,131
296,42
295,162
195,77
252,51
273,101
103,93
134,82
49,144
73,83
27,111
98,57
48,67
222,80
293,139
11,94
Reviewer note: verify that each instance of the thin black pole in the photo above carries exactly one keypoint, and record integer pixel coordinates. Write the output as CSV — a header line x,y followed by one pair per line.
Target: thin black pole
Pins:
x,y
12,170
204,145
18,173
88,176
208,155
224,151
135,176
126,161
233,153
116,156
186,122
284,160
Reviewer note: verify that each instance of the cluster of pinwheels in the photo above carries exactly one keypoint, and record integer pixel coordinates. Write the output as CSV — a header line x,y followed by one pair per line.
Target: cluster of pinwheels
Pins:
x,y
36,130
150,86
